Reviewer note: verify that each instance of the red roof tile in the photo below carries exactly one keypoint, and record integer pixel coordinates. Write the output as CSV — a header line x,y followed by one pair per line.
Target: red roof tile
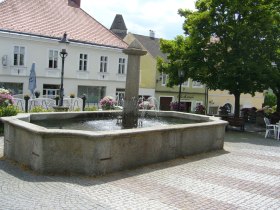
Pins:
x,y
52,18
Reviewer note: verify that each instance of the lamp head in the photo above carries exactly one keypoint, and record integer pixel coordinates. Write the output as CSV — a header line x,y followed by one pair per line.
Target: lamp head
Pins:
x,y
64,39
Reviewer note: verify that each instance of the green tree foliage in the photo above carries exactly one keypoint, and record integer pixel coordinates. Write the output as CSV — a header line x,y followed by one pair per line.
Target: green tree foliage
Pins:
x,y
176,59
228,45
273,78
269,99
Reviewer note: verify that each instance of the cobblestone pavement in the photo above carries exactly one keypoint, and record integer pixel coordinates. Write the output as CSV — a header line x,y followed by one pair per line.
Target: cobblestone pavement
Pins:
x,y
245,175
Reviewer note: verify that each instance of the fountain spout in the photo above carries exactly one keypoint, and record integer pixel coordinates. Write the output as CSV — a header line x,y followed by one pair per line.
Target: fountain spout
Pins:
x,y
130,111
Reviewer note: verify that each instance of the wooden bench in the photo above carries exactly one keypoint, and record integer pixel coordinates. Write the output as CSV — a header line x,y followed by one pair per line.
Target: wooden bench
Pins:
x,y
236,121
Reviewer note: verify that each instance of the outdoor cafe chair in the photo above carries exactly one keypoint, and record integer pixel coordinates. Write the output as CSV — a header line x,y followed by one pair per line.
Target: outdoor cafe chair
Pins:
x,y
271,129
278,131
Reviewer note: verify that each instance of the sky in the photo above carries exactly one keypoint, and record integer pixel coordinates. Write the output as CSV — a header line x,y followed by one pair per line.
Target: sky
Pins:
x,y
141,16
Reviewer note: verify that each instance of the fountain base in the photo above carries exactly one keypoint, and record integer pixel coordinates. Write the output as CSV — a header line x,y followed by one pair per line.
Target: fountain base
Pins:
x,y
93,153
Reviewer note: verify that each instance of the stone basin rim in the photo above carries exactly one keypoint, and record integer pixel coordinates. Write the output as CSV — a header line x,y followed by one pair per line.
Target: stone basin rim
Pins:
x,y
20,121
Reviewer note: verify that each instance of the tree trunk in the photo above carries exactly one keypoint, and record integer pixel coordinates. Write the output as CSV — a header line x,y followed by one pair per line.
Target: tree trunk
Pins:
x,y
236,104
278,101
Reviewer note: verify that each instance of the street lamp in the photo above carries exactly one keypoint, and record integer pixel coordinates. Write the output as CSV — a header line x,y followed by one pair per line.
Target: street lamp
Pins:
x,y
63,54
181,76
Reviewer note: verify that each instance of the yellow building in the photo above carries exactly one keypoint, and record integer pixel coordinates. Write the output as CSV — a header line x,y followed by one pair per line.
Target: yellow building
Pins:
x,y
148,64
219,98
153,83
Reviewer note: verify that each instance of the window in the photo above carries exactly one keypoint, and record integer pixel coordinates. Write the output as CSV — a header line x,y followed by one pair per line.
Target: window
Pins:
x,y
164,79
121,65
50,90
94,93
103,63
15,88
53,58
19,53
186,83
120,96
83,62
197,84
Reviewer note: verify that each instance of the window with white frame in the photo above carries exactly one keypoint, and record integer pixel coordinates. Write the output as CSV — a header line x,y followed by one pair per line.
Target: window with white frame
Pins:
x,y
53,59
121,66
83,62
103,63
186,83
19,53
164,78
197,84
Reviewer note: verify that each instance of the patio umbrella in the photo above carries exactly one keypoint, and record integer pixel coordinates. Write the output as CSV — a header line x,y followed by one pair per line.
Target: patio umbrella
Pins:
x,y
32,79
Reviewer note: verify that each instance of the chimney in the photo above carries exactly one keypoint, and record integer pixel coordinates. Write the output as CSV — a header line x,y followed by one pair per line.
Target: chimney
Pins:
x,y
152,34
77,2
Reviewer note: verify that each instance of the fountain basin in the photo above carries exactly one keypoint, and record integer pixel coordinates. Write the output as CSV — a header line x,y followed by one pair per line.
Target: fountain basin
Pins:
x,y
99,152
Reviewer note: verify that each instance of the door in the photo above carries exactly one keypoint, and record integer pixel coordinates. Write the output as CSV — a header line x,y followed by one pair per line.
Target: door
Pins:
x,y
165,103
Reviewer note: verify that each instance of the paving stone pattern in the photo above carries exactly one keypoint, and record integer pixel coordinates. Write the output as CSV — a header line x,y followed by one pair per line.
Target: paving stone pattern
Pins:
x,y
245,175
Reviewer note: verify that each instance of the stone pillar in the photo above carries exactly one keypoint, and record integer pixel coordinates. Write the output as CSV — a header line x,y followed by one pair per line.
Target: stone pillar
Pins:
x,y
130,111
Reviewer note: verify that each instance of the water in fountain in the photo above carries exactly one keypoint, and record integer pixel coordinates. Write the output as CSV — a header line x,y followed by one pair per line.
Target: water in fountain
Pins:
x,y
108,123
150,104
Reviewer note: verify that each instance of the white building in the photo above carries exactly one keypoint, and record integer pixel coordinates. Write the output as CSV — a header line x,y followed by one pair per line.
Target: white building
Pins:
x,y
30,32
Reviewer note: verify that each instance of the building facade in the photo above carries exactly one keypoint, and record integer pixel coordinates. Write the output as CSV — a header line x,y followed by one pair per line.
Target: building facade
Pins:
x,y
95,65
220,98
153,83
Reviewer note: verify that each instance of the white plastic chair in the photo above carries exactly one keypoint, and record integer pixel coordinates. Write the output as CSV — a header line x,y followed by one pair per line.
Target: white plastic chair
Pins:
x,y
270,128
278,131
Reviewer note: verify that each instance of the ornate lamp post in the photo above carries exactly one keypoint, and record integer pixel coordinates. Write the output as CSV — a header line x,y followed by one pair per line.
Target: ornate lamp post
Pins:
x,y
63,54
181,76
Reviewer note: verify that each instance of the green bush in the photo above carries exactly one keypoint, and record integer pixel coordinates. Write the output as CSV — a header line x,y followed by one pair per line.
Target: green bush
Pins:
x,y
8,111
91,108
270,99
39,109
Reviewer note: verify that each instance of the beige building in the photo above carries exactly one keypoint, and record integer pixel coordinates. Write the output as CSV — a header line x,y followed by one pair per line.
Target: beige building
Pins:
x,y
219,98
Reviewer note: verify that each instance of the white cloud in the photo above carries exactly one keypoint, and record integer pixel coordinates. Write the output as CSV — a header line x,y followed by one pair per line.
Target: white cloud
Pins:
x,y
141,16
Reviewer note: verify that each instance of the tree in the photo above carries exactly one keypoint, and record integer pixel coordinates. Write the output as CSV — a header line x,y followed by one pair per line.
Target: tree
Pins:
x,y
176,60
274,78
228,45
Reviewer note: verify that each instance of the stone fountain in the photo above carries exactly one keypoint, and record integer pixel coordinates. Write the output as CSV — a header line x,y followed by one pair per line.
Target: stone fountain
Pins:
x,y
98,152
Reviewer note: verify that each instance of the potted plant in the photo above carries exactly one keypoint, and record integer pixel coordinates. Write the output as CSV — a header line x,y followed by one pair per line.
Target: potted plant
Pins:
x,y
26,97
37,93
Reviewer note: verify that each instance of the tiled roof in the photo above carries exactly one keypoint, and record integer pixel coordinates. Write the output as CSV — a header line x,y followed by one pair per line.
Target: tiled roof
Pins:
x,y
152,45
51,18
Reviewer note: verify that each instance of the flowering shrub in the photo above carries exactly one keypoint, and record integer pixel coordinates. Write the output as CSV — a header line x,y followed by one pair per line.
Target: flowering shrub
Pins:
x,y
200,109
6,106
146,105
6,98
107,103
174,106
269,110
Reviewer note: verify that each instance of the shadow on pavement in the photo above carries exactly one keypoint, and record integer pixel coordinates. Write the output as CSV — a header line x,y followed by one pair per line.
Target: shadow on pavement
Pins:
x,y
25,174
